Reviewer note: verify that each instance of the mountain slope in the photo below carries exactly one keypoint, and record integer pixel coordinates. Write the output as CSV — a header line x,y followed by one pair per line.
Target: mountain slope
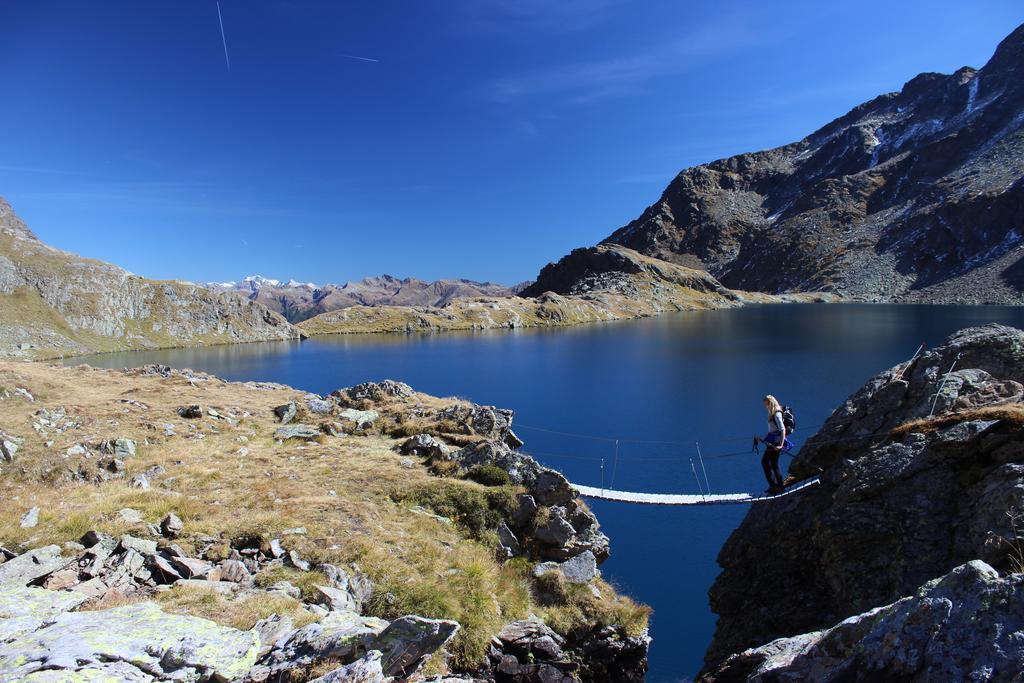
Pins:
x,y
298,301
913,196
53,303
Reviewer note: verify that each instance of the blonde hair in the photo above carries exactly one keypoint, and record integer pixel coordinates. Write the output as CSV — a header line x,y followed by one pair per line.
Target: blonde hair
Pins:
x,y
772,404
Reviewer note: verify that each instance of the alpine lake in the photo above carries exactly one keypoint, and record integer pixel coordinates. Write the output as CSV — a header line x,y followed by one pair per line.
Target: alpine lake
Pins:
x,y
625,405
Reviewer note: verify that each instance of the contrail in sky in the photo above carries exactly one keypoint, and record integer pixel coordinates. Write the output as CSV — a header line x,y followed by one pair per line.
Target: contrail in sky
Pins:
x,y
223,39
362,59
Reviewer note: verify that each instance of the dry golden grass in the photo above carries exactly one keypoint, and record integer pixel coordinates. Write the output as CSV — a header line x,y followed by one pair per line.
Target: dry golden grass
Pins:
x,y
242,613
351,493
1012,413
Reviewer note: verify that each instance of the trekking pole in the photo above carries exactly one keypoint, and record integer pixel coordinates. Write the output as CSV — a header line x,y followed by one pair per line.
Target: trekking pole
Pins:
x,y
699,487
701,458
942,385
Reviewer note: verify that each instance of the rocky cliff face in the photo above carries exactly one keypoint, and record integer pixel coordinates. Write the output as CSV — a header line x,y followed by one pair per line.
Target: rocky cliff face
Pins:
x,y
54,303
904,499
913,196
298,301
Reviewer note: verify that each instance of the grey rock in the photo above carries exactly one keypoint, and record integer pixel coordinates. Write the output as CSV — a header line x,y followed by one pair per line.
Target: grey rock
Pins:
x,y
579,569
336,599
297,431
362,418
164,646
556,530
30,519
296,561
286,588
25,609
162,569
140,481
124,448
271,630
30,566
171,526
526,508
367,669
408,641
192,568
509,544
142,546
339,635
551,488
130,516
425,446
318,406
235,572
8,447
285,413
376,391
275,548
967,625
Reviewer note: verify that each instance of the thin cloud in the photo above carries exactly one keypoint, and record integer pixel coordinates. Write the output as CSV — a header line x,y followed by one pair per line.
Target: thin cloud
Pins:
x,y
223,38
587,82
361,59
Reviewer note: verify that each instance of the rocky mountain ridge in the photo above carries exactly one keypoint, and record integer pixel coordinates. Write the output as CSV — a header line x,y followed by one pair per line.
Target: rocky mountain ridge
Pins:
x,y
889,567
53,303
913,196
298,301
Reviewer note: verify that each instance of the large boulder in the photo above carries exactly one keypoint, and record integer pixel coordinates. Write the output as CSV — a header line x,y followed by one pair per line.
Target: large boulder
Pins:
x,y
134,642
965,626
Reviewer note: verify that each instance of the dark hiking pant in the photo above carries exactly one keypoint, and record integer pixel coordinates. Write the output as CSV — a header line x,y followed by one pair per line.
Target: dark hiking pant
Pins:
x,y
770,464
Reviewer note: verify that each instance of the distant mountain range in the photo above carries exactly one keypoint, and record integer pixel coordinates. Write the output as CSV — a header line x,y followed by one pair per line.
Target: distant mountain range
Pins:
x,y
53,303
916,195
298,301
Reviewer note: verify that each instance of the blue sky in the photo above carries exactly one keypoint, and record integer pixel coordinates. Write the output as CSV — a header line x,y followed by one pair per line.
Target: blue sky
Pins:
x,y
486,139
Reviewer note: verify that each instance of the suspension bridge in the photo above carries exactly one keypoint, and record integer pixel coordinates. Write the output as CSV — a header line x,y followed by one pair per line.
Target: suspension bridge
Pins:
x,y
689,498
704,497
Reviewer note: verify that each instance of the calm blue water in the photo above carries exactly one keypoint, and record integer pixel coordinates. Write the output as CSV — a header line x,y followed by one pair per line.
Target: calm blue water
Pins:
x,y
678,378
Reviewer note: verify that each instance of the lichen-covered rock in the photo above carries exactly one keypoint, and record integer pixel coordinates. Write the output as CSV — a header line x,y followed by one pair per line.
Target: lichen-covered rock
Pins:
x,y
297,431
340,635
27,567
23,609
965,626
163,646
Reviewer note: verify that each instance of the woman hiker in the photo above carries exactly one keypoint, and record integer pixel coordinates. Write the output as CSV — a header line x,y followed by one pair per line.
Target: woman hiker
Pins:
x,y
775,442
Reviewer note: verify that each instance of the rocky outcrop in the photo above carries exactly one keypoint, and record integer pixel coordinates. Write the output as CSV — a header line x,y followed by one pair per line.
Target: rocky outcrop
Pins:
x,y
964,626
904,498
613,268
53,303
913,196
298,301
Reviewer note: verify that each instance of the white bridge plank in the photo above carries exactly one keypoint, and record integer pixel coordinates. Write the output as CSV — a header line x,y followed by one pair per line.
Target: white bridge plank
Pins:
x,y
686,498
